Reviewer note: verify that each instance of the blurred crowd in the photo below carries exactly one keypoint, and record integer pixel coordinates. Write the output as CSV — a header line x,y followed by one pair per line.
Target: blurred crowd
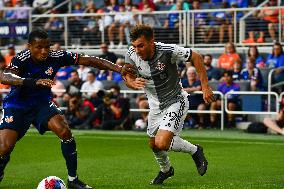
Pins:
x,y
91,98
262,25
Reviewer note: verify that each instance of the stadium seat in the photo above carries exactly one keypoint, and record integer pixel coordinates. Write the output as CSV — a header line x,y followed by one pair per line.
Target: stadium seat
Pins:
x,y
108,84
244,85
265,72
251,102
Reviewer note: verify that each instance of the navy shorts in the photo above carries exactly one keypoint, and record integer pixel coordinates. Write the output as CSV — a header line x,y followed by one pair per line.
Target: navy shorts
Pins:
x,y
20,119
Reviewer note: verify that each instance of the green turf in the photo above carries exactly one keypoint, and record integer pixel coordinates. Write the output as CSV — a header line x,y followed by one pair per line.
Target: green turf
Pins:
x,y
123,160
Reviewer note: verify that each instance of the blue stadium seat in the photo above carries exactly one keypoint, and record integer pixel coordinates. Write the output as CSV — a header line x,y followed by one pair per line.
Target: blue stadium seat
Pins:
x,y
251,102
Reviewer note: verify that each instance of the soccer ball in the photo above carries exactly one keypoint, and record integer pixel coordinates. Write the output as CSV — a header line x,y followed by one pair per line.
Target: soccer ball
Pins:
x,y
140,124
51,182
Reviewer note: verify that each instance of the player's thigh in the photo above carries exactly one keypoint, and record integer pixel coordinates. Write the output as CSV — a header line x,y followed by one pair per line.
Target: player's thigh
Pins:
x,y
171,119
8,139
59,126
16,120
49,117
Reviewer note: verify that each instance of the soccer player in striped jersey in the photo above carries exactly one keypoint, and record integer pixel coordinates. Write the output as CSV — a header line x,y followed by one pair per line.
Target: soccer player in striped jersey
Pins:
x,y
31,74
158,76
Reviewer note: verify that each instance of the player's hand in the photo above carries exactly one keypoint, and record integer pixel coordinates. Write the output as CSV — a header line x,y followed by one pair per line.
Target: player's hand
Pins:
x,y
128,69
208,95
45,83
137,83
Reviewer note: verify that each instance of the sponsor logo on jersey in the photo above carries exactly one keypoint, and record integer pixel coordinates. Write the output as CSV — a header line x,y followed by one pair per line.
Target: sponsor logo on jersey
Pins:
x,y
160,66
49,71
9,119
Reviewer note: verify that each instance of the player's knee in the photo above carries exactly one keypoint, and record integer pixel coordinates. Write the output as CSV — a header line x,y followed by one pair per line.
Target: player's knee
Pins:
x,y
5,148
65,133
161,145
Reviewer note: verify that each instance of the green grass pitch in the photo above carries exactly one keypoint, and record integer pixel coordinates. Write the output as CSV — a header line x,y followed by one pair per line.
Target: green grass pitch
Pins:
x,y
119,159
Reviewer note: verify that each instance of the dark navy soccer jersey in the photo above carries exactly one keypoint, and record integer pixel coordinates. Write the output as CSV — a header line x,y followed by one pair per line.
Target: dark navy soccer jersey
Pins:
x,y
22,96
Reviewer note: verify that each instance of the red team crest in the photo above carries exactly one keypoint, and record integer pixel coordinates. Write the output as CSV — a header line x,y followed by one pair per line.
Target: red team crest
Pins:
x,y
49,71
9,119
160,66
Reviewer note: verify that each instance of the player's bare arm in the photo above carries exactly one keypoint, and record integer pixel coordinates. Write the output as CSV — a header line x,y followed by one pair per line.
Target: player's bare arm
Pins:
x,y
135,83
197,60
103,64
10,77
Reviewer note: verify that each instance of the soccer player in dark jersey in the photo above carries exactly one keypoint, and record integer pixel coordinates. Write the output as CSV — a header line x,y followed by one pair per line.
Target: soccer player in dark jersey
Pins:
x,y
158,75
31,74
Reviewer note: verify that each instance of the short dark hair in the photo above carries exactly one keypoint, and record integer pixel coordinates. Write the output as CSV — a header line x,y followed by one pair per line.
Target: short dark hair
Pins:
x,y
141,30
37,34
228,72
209,55
92,72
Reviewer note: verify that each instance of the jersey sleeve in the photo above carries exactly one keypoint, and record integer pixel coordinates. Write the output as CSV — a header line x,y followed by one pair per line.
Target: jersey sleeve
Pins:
x,y
128,59
69,58
182,54
15,65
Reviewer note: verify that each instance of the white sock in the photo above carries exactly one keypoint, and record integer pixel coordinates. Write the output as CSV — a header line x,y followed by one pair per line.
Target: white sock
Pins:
x,y
163,160
180,145
71,178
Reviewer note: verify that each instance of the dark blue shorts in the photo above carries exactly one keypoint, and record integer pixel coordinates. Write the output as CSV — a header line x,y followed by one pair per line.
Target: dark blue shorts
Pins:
x,y
20,119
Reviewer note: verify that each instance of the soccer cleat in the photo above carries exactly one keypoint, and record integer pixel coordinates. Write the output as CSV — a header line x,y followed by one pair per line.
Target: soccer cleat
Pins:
x,y
200,160
77,184
162,176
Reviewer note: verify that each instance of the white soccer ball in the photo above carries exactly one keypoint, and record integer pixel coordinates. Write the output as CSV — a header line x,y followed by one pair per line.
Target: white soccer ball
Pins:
x,y
140,124
51,182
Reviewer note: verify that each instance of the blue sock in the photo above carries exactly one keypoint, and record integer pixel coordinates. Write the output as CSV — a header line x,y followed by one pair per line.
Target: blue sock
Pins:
x,y
3,162
68,148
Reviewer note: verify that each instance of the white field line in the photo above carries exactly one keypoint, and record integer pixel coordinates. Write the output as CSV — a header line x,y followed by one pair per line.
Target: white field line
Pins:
x,y
199,140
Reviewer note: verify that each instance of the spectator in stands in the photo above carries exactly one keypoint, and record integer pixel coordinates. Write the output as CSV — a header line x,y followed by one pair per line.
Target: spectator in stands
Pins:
x,y
237,71
78,8
276,60
254,26
64,73
112,114
233,100
79,109
56,47
8,14
92,85
83,72
58,89
252,74
276,125
173,18
54,27
185,5
147,6
20,14
41,6
2,62
253,53
106,54
64,101
11,53
190,85
113,76
91,25
75,83
212,73
201,23
122,19
142,103
229,57
270,17
223,20
282,21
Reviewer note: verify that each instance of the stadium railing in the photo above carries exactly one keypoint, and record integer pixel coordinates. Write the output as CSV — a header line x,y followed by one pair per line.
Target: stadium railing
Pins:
x,y
242,112
187,34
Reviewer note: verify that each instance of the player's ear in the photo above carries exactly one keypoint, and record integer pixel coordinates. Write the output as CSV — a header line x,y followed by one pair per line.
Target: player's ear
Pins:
x,y
29,45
